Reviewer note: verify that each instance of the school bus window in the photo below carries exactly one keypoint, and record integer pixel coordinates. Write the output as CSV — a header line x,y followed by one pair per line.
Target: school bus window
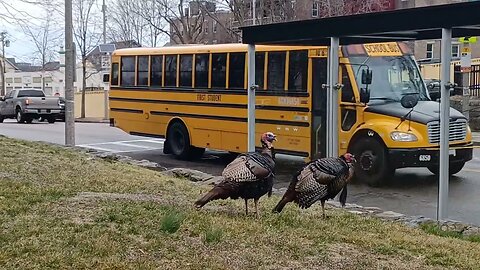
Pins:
x,y
157,68
186,62
276,70
347,90
171,70
349,118
142,70
114,74
236,76
259,69
219,68
297,73
128,70
201,70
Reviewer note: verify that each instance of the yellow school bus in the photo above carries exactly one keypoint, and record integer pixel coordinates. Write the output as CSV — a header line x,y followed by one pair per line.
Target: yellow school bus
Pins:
x,y
195,97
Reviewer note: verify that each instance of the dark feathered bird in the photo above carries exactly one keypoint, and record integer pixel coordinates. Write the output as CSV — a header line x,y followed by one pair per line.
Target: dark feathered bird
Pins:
x,y
319,180
249,176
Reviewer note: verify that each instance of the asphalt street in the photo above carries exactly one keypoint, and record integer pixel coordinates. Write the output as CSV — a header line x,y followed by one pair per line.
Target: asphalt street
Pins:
x,y
413,191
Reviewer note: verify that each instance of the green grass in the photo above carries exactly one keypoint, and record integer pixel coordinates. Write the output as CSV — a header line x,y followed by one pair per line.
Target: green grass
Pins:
x,y
171,221
213,235
64,209
433,228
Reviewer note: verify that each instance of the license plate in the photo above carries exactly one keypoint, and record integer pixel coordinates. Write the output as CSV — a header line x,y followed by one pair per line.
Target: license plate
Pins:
x,y
424,158
451,152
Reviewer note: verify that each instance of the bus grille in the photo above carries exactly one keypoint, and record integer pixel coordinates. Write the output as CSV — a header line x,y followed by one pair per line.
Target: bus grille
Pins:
x,y
457,130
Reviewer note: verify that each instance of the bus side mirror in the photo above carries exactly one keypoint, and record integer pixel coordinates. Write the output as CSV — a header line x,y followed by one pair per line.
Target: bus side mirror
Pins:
x,y
364,95
106,78
409,101
366,76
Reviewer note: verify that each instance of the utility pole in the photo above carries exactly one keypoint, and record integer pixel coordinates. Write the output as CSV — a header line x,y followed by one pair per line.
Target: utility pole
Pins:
x,y
106,88
5,43
69,69
104,10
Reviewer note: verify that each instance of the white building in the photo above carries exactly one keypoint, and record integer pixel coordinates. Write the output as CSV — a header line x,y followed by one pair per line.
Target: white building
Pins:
x,y
23,75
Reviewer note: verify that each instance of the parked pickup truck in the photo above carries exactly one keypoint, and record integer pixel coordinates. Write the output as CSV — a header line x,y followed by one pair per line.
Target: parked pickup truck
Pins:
x,y
28,104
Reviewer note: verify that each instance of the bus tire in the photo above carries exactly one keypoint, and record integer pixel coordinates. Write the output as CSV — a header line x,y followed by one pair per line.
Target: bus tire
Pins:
x,y
179,143
372,165
453,168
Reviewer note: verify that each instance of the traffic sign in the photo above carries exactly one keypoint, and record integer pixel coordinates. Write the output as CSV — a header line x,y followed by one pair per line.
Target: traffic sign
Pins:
x,y
466,58
105,61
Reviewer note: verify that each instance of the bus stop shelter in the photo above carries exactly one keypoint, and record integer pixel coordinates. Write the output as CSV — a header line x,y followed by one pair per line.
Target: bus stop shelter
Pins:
x,y
434,22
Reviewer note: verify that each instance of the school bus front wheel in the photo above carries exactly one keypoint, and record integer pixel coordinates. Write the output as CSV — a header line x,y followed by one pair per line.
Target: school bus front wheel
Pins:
x,y
372,165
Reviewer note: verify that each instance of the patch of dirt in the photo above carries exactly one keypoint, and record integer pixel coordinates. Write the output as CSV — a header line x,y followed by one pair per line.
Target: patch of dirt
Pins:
x,y
138,197
347,256
83,208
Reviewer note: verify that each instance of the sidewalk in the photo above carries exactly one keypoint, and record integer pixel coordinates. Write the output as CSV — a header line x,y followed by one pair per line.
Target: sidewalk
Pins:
x,y
91,120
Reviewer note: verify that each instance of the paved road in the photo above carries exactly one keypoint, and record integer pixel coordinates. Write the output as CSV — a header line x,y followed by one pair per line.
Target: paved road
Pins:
x,y
412,191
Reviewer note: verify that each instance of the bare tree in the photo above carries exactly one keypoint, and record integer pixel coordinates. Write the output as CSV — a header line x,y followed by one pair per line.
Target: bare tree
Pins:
x,y
174,19
87,36
126,23
266,11
45,36
329,8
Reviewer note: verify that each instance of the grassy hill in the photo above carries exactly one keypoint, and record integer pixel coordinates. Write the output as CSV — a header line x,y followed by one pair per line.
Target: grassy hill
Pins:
x,y
60,208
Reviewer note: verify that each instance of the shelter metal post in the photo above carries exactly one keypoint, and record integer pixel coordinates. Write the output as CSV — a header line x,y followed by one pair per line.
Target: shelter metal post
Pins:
x,y
446,55
332,99
251,97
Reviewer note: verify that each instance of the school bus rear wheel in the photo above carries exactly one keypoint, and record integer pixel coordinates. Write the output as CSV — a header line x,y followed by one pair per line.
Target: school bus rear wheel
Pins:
x,y
372,165
179,143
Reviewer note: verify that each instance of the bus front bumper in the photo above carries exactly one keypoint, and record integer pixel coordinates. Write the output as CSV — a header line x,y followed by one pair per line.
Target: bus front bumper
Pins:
x,y
423,157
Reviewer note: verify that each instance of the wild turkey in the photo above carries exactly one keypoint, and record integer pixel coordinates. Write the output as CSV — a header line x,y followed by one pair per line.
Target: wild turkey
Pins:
x,y
320,179
249,176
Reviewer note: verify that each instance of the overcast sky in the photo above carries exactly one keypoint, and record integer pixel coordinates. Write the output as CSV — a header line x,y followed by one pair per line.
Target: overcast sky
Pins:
x,y
20,45
22,48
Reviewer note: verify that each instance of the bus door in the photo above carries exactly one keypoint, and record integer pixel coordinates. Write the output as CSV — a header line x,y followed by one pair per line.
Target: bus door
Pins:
x,y
319,107
349,110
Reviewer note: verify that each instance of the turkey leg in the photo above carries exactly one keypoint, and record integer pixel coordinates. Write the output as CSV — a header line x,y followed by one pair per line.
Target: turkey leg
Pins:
x,y
246,207
323,209
256,207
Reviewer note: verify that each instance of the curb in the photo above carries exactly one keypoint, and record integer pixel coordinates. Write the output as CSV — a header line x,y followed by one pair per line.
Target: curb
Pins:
x,y
84,120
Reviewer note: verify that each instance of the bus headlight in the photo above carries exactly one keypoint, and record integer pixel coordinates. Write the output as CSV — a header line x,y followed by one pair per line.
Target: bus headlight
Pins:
x,y
403,136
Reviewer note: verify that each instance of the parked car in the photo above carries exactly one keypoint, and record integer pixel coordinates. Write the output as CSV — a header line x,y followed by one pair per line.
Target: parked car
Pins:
x,y
61,115
27,104
433,86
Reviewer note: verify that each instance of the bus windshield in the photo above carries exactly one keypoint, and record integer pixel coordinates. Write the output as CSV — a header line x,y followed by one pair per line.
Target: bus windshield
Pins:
x,y
392,77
